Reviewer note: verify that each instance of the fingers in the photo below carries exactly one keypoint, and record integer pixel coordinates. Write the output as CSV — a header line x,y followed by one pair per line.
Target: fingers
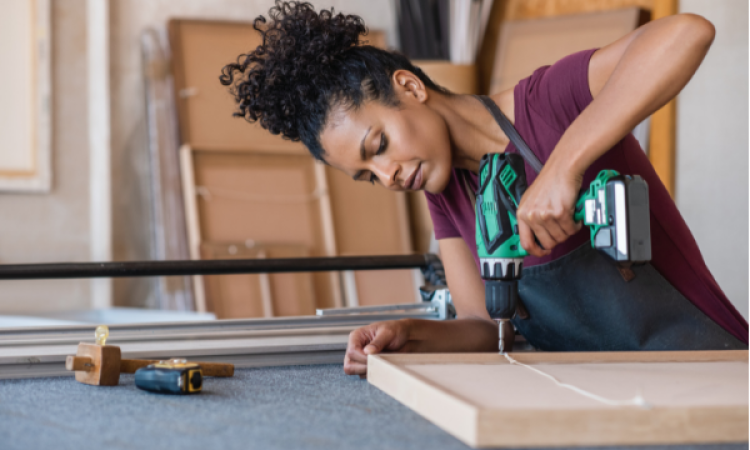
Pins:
x,y
353,367
383,337
368,340
528,241
355,360
550,229
355,347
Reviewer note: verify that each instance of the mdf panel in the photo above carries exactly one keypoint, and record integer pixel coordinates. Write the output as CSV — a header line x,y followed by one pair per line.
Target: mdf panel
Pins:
x,y
662,127
534,9
367,218
260,197
687,397
251,185
526,45
200,50
370,220
258,295
270,202
457,78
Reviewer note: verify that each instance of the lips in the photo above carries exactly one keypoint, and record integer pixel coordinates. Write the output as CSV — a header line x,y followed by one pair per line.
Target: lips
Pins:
x,y
415,181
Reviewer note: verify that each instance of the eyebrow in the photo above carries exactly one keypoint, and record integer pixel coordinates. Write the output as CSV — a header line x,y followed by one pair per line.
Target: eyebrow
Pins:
x,y
362,154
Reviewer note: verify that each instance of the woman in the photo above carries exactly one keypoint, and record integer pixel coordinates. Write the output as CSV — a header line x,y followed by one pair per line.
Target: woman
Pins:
x,y
380,119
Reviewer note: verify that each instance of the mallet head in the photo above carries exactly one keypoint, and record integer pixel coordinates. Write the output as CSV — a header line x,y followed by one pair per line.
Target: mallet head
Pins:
x,y
96,364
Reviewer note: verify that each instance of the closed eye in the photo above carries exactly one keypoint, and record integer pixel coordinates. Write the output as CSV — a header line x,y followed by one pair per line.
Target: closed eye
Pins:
x,y
383,144
372,178
381,150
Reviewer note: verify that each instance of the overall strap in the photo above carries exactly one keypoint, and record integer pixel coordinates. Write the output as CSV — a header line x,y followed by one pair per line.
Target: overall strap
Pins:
x,y
511,132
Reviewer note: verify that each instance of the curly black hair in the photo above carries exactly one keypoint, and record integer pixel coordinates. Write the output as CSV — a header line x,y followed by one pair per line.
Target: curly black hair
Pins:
x,y
307,64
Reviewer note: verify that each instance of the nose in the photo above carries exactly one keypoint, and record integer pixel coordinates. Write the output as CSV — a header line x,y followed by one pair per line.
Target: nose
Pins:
x,y
387,173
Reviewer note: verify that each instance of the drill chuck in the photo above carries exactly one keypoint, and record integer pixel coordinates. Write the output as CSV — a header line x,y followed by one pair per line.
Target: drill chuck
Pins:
x,y
501,298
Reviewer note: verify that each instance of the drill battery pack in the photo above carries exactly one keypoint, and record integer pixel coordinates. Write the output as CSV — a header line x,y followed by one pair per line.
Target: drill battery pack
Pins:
x,y
617,210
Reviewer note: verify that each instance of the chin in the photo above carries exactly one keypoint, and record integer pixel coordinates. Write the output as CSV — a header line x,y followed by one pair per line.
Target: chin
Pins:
x,y
437,181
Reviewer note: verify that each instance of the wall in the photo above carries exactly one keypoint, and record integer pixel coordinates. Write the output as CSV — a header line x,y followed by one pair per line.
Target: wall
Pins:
x,y
712,148
54,227
131,213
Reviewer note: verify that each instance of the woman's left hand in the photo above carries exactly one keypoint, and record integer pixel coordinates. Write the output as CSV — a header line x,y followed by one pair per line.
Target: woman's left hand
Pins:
x,y
546,210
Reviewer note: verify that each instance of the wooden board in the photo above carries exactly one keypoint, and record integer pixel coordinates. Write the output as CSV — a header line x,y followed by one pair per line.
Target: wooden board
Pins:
x,y
457,78
200,49
370,220
526,45
662,127
245,164
264,199
258,295
484,401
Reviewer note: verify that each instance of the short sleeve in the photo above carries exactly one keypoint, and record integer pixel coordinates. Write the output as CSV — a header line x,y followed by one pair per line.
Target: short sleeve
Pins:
x,y
441,222
560,92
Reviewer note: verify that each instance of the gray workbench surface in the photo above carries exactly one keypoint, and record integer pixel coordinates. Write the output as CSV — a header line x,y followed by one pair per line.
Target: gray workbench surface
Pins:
x,y
303,407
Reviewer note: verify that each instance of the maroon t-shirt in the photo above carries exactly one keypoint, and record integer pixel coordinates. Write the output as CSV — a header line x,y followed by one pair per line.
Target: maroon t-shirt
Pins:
x,y
546,103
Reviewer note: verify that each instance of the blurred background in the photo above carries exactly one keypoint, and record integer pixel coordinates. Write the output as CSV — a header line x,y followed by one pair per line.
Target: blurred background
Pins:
x,y
117,143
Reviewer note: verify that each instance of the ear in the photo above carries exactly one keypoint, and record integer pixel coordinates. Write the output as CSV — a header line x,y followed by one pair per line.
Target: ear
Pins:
x,y
405,83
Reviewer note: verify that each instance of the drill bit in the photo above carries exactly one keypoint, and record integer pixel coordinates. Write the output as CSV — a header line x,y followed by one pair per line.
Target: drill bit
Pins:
x,y
506,335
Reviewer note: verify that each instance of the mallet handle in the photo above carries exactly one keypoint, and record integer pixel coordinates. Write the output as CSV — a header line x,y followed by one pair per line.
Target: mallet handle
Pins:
x,y
79,363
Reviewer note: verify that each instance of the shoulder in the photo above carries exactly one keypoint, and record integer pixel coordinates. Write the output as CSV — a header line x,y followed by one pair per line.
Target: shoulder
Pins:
x,y
559,92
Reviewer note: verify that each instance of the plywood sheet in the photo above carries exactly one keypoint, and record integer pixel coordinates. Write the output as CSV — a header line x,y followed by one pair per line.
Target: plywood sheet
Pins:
x,y
526,45
200,49
457,78
370,220
231,189
258,295
265,199
485,401
662,142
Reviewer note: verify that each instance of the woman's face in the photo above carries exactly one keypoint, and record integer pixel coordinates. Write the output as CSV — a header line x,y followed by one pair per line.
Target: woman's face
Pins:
x,y
406,147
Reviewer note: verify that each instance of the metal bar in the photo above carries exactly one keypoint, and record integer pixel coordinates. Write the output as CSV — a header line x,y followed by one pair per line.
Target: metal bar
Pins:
x,y
212,267
195,331
427,306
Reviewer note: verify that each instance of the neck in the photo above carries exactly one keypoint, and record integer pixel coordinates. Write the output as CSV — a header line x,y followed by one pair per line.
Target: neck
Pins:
x,y
472,129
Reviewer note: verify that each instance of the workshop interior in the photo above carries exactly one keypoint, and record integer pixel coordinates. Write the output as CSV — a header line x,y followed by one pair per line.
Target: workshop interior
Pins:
x,y
159,251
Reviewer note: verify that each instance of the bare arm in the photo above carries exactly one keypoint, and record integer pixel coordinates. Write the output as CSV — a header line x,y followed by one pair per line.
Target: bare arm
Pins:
x,y
473,330
629,80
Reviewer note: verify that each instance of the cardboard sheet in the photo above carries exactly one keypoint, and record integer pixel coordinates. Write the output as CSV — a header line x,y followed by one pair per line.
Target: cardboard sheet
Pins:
x,y
526,45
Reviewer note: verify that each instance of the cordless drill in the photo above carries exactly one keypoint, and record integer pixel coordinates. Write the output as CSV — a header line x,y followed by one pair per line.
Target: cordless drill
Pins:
x,y
615,207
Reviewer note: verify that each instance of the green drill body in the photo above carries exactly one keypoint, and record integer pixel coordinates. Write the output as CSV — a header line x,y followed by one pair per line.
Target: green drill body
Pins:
x,y
615,207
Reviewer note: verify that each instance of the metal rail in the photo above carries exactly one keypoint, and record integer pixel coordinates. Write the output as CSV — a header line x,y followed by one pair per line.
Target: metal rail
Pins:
x,y
426,262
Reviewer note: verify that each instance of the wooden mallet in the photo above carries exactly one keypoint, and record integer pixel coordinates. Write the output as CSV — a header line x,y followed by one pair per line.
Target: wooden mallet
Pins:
x,y
101,365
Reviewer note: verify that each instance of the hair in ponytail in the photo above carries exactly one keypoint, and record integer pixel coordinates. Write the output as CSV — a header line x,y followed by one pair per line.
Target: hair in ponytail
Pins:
x,y
308,63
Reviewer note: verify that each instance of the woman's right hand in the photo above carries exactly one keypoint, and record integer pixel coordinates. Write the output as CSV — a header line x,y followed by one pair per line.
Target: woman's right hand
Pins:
x,y
391,335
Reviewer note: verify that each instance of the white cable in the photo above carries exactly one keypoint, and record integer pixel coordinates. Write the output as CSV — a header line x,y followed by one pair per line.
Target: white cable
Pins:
x,y
638,400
